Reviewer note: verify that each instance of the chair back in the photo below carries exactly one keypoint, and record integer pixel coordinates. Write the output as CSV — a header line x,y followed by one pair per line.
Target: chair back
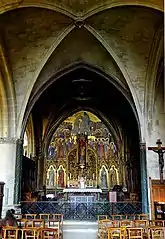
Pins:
x,y
10,232
34,223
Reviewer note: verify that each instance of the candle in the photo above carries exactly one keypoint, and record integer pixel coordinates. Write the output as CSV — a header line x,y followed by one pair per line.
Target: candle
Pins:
x,y
70,175
93,176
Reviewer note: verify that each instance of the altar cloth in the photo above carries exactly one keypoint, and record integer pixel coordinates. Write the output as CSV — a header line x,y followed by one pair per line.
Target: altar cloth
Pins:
x,y
82,190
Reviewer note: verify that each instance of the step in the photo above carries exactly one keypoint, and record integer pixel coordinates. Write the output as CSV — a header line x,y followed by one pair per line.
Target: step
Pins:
x,y
80,230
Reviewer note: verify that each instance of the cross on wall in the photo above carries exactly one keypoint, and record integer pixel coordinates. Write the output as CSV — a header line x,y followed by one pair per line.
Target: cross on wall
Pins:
x,y
160,150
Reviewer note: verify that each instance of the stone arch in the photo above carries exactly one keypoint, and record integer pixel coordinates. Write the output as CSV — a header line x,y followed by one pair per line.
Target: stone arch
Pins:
x,y
69,69
8,94
155,67
158,5
3,110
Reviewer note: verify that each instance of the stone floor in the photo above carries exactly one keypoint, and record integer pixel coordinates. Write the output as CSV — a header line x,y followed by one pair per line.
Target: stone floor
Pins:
x,y
80,230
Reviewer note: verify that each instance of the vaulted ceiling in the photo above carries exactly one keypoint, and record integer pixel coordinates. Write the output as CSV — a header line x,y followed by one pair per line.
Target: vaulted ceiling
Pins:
x,y
42,40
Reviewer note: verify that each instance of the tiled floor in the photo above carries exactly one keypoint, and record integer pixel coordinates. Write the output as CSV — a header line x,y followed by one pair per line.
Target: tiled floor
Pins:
x,y
80,230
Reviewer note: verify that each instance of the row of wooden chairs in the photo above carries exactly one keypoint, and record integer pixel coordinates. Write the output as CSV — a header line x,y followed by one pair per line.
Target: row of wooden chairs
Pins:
x,y
44,216
130,223
40,223
126,216
33,233
131,229
134,233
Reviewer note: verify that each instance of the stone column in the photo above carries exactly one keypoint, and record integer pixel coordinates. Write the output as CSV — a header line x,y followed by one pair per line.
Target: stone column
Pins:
x,y
18,171
144,184
7,170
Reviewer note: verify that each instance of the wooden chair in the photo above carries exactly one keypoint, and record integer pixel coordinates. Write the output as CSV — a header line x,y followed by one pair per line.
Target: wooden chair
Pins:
x,y
103,234
22,222
10,232
58,217
30,233
49,233
102,217
141,223
157,232
131,217
102,228
116,233
116,223
30,216
142,217
159,223
34,223
118,217
135,233
126,223
44,217
54,224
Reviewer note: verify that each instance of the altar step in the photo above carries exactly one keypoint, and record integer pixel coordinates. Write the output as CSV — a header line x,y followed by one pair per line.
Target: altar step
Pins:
x,y
80,230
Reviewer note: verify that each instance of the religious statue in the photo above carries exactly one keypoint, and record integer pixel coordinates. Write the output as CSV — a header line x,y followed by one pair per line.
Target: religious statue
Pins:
x,y
82,149
51,177
102,153
103,178
76,127
85,124
82,182
113,177
61,177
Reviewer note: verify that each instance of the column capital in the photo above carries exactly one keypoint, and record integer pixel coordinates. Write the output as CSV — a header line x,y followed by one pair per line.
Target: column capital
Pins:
x,y
8,140
142,145
19,141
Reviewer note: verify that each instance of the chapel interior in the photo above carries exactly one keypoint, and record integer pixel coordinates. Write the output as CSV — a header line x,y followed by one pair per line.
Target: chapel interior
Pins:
x,y
89,110
82,103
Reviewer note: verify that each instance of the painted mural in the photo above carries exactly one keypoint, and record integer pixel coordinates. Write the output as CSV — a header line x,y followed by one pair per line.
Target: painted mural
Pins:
x,y
81,123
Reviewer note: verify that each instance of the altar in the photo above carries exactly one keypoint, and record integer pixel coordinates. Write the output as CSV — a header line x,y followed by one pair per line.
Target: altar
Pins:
x,y
85,195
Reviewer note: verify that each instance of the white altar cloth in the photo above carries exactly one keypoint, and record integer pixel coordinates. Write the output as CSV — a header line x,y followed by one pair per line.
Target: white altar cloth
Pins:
x,y
82,190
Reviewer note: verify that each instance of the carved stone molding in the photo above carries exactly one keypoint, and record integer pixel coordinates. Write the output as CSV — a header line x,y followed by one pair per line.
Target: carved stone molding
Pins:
x,y
7,140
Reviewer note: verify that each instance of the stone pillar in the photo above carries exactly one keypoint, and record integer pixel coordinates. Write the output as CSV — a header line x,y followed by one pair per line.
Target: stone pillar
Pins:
x,y
144,184
7,170
18,171
41,171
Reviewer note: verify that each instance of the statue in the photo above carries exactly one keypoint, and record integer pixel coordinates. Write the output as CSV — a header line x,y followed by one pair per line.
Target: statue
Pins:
x,y
82,182
51,177
103,178
101,146
61,177
85,124
113,177
82,149
76,127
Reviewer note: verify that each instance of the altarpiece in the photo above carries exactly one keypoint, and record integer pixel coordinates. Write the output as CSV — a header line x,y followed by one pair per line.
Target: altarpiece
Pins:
x,y
82,154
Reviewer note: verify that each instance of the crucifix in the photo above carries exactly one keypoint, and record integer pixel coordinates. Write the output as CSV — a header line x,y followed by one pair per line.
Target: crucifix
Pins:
x,y
160,150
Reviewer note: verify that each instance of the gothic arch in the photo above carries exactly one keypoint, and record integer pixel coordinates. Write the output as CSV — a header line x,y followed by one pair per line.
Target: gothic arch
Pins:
x,y
72,68
3,110
158,5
